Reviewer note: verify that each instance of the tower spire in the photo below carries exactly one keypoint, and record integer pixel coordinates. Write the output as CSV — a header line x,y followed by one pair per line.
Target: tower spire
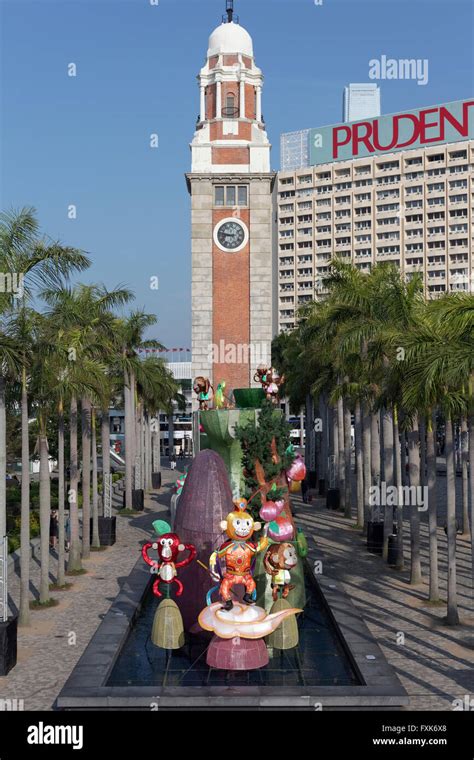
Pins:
x,y
229,10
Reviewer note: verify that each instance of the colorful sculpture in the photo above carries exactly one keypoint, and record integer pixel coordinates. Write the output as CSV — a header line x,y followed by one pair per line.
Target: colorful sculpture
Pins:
x,y
270,382
237,555
297,471
168,547
242,622
204,390
180,482
278,561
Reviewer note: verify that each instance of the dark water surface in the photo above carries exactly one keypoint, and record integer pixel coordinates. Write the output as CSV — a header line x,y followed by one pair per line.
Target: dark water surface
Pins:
x,y
318,660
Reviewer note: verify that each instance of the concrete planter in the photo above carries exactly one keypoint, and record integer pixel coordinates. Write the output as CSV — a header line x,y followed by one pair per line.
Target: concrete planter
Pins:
x,y
8,645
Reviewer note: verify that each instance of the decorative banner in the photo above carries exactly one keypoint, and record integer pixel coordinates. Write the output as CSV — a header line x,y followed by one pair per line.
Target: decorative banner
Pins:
x,y
425,127
138,473
107,485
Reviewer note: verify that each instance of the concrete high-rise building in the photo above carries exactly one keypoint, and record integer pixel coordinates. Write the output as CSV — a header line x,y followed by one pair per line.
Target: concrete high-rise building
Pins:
x,y
231,187
361,101
365,200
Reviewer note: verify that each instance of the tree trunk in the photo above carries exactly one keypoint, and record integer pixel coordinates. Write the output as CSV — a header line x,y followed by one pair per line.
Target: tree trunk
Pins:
x,y
323,413
414,471
3,462
335,448
24,616
398,483
342,453
105,439
61,516
86,477
471,488
403,456
347,461
45,512
375,455
128,442
422,433
156,442
74,561
452,617
366,453
359,464
95,488
387,426
465,477
432,507
150,453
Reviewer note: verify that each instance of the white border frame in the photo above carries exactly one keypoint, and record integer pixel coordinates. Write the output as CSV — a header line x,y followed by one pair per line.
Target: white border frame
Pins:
x,y
220,224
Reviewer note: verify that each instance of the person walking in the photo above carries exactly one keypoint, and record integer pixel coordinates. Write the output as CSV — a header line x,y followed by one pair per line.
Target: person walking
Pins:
x,y
53,529
173,461
67,532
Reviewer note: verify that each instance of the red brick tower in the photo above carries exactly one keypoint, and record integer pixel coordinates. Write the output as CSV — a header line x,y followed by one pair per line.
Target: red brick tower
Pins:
x,y
231,187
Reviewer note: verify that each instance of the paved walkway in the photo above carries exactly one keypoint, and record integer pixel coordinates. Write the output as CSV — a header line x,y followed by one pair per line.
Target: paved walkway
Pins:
x,y
49,649
435,662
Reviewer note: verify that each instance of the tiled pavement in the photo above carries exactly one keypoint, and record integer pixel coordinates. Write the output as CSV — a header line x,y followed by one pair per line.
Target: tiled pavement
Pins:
x,y
51,647
435,662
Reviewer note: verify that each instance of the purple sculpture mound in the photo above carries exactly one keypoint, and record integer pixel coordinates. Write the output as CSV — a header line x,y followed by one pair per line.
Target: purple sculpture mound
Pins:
x,y
206,499
237,654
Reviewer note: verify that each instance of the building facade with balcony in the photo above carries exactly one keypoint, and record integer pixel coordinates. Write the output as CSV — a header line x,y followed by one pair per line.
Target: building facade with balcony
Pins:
x,y
414,208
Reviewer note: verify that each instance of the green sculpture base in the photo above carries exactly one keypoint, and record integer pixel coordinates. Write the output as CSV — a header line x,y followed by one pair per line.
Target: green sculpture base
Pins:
x,y
219,425
286,635
168,629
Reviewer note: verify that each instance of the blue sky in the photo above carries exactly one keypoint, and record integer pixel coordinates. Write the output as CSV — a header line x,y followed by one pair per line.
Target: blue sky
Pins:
x,y
85,140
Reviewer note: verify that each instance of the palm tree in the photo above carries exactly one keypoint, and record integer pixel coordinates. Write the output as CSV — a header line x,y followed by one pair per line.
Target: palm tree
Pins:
x,y
440,371
34,263
131,336
86,312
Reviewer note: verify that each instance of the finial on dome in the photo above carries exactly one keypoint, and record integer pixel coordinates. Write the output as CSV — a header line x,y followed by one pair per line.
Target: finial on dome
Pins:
x,y
229,9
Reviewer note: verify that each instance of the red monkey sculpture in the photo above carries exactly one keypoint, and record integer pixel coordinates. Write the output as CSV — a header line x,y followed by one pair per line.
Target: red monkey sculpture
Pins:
x,y
168,547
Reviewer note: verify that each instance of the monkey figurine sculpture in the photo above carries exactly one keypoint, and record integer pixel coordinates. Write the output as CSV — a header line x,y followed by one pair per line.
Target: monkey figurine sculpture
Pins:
x,y
168,547
204,390
273,382
237,555
278,562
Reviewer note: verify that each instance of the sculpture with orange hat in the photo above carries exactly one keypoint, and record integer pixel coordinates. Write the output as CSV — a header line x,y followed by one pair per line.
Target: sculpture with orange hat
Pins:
x,y
232,563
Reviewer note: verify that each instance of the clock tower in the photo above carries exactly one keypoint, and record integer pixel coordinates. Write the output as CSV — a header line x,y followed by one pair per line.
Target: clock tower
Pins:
x,y
232,227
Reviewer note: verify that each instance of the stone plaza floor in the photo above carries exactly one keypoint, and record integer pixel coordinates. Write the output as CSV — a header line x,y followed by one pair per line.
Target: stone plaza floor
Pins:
x,y
435,663
49,649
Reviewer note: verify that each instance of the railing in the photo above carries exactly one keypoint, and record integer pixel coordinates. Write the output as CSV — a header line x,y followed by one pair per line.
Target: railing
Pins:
x,y
230,111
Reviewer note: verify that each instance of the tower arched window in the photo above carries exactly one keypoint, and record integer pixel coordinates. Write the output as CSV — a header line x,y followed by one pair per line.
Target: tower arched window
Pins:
x,y
230,109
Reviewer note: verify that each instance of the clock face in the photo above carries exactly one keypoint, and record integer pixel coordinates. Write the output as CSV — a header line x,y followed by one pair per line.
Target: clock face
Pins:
x,y
231,235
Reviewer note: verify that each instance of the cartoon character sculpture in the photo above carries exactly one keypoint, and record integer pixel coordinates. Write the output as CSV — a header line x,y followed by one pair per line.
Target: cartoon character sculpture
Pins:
x,y
237,555
270,382
278,562
221,400
204,390
168,547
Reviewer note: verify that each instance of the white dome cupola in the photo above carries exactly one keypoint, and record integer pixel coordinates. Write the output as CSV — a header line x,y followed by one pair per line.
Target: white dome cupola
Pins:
x,y
230,37
230,130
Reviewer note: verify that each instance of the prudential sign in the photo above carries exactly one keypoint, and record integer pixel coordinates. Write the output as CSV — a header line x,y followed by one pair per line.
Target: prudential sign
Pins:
x,y
450,122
